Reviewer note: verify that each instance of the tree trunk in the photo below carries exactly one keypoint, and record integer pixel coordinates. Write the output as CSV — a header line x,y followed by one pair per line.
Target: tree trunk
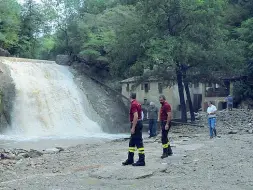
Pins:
x,y
181,95
188,95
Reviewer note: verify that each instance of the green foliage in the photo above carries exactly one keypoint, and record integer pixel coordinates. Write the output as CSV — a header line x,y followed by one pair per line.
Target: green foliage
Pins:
x,y
242,91
245,33
90,54
9,23
130,35
185,32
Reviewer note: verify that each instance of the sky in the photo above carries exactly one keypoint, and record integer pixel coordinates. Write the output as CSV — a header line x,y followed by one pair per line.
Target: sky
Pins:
x,y
22,1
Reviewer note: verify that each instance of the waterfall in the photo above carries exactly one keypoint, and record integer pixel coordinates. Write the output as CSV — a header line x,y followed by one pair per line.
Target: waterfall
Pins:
x,y
48,103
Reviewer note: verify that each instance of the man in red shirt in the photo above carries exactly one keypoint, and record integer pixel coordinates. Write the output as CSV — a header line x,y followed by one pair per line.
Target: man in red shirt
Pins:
x,y
136,134
165,119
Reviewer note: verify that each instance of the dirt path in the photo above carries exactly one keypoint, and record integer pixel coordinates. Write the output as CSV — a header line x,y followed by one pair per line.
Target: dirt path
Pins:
x,y
198,163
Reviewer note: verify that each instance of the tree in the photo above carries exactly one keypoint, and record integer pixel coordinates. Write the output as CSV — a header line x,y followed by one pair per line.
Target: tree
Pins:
x,y
32,28
9,23
184,35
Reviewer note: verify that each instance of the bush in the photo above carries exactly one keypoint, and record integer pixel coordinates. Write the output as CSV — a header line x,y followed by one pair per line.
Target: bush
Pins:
x,y
242,90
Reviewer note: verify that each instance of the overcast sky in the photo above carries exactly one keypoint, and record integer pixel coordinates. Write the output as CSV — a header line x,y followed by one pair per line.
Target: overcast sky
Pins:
x,y
22,1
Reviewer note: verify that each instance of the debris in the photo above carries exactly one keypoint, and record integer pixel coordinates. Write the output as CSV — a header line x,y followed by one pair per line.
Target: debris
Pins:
x,y
51,150
232,132
60,148
191,124
18,154
227,121
228,124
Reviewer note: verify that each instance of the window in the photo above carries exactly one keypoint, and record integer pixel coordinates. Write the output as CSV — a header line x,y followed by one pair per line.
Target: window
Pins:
x,y
146,87
142,86
127,88
132,87
209,84
196,85
160,87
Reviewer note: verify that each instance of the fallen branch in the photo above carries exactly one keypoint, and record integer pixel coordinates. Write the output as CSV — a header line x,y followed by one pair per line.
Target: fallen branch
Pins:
x,y
228,124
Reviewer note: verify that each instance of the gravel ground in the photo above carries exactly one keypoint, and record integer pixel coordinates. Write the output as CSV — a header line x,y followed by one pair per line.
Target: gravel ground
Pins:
x,y
198,163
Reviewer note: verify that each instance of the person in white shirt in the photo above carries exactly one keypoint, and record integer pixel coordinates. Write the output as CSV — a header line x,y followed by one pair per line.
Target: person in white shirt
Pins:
x,y
211,111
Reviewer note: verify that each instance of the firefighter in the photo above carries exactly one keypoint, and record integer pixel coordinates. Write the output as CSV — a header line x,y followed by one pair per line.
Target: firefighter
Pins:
x,y
165,119
136,134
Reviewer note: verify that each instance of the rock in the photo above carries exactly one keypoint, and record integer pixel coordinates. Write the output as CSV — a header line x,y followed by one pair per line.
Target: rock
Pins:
x,y
118,172
250,131
4,156
232,132
34,153
4,52
9,156
63,60
19,151
31,154
8,162
227,121
60,149
121,140
51,150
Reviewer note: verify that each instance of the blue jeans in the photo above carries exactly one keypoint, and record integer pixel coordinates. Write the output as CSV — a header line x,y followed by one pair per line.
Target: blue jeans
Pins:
x,y
212,124
152,127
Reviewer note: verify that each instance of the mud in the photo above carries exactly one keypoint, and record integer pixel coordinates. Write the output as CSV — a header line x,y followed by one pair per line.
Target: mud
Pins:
x,y
198,163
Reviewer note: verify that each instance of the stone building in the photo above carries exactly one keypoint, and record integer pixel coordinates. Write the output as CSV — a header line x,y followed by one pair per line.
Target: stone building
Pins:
x,y
150,90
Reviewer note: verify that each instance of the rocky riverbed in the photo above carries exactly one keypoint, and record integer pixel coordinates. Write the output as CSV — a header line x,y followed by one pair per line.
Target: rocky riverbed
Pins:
x,y
237,121
198,163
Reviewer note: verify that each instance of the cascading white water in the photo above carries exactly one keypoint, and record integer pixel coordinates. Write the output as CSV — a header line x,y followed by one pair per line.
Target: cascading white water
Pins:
x,y
48,103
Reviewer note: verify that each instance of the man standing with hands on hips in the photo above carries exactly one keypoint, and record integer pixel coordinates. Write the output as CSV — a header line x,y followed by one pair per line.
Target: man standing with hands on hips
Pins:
x,y
165,119
136,134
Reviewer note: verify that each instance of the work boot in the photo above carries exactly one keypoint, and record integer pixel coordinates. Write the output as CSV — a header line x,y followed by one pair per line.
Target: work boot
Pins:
x,y
141,161
170,151
165,153
130,159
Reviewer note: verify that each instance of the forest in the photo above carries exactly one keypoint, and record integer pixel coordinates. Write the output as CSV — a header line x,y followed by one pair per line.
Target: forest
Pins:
x,y
183,41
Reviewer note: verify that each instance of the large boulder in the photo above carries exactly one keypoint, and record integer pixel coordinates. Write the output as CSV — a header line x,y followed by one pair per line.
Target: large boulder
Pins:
x,y
4,53
63,60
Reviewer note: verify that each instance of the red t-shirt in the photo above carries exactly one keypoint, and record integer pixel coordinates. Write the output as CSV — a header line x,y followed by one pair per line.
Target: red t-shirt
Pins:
x,y
164,110
135,107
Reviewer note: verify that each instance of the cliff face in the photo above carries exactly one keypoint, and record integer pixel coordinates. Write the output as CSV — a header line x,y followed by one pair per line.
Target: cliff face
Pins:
x,y
109,105
7,90
4,52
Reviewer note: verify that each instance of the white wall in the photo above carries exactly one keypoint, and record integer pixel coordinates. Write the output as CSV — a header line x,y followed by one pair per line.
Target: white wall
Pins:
x,y
171,95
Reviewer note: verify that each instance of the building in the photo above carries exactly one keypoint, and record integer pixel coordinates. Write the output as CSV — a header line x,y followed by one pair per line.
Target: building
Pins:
x,y
150,90
217,93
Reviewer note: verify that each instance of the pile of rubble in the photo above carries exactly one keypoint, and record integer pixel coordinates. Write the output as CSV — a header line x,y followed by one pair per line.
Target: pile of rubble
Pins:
x,y
231,122
17,154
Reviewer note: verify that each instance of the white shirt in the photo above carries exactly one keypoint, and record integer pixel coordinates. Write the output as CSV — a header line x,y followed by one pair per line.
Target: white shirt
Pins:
x,y
142,115
211,109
